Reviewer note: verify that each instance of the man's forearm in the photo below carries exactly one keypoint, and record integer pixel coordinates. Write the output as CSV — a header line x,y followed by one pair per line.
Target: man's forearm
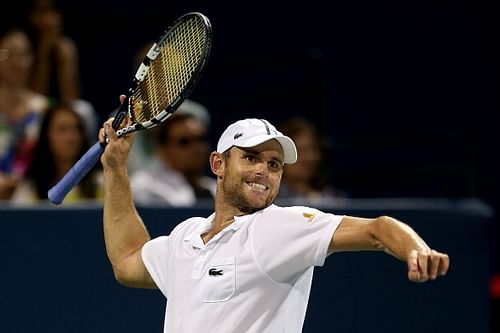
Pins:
x,y
397,238
124,231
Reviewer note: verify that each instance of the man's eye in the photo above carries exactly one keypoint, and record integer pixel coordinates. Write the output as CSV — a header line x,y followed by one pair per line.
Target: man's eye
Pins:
x,y
250,158
274,165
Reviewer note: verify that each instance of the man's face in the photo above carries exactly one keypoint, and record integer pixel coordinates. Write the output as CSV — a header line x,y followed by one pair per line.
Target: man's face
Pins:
x,y
187,147
16,58
252,176
65,136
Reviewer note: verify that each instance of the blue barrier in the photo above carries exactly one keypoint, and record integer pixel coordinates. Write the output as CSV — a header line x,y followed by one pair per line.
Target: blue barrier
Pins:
x,y
56,277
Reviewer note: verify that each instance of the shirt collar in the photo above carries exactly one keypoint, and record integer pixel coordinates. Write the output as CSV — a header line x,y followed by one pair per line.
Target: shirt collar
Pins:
x,y
239,221
205,224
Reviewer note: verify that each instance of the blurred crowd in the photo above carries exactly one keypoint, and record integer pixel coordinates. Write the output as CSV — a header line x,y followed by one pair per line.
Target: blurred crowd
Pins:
x,y
46,126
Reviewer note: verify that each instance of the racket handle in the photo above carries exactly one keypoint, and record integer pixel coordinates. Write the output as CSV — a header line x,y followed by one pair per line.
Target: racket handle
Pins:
x,y
59,191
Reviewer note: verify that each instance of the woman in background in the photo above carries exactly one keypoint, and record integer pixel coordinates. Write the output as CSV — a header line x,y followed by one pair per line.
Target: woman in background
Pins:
x,y
61,143
21,108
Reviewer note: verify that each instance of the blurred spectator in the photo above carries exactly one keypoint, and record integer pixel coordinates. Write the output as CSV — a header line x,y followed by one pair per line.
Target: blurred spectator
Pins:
x,y
176,173
61,143
55,72
20,109
145,143
307,180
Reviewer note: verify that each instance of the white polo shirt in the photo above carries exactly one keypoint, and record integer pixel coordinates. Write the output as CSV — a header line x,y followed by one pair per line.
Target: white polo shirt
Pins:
x,y
254,276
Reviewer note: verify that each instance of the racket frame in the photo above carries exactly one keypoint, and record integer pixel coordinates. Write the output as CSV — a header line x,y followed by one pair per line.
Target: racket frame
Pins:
x,y
143,69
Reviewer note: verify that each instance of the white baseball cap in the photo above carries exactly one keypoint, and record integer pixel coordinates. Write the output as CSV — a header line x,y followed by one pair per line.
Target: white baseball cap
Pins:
x,y
252,132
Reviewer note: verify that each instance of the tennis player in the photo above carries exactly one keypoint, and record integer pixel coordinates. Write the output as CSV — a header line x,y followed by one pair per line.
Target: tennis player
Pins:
x,y
248,266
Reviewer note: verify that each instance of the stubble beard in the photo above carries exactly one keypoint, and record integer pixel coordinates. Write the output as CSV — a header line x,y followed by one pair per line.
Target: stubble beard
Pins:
x,y
238,199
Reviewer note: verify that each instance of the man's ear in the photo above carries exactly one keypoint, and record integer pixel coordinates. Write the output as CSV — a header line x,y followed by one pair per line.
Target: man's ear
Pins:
x,y
217,164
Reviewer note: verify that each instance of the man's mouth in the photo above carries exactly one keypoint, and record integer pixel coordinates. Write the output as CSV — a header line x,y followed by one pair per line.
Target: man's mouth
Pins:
x,y
258,186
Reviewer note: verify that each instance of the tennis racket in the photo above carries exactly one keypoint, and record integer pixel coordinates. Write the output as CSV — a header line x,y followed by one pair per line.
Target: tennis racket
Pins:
x,y
167,75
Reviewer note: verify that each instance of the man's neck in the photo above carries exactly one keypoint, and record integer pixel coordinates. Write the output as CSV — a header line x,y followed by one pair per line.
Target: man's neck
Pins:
x,y
224,216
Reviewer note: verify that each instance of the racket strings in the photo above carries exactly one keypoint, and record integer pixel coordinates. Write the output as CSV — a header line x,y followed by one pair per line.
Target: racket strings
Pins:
x,y
172,70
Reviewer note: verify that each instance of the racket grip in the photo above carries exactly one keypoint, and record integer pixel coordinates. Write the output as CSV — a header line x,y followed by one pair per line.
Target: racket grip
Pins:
x,y
59,191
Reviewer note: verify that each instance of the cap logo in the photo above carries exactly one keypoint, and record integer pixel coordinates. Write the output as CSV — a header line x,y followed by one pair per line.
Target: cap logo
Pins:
x,y
237,136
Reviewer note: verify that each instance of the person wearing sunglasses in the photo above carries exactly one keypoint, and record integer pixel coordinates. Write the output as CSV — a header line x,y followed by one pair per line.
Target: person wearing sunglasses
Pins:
x,y
177,173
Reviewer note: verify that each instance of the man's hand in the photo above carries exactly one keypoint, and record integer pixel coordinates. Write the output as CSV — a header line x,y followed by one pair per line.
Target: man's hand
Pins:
x,y
427,264
117,149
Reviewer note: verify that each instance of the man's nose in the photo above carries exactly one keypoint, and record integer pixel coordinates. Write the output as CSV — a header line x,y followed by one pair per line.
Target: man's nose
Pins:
x,y
262,168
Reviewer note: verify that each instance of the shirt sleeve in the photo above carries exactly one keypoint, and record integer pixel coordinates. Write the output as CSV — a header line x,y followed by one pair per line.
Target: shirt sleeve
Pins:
x,y
155,255
289,240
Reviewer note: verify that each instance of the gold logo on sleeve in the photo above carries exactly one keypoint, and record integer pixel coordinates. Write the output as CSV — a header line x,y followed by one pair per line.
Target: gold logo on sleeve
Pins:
x,y
309,216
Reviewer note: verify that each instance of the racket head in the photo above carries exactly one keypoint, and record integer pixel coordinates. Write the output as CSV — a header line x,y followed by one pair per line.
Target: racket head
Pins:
x,y
169,72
